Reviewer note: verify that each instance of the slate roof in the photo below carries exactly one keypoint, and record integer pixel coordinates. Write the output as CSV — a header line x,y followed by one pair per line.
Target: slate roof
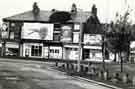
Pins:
x,y
44,17
93,29
93,26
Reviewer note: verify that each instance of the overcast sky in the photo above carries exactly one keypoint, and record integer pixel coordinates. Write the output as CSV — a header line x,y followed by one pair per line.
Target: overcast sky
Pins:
x,y
106,8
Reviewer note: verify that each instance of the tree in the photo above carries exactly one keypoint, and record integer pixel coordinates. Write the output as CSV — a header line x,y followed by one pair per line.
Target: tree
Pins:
x,y
60,16
119,37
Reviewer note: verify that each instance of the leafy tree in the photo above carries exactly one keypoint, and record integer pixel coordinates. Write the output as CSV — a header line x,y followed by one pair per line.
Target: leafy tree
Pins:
x,y
119,37
60,16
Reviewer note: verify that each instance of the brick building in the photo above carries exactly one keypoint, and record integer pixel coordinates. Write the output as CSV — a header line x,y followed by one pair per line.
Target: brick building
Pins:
x,y
49,34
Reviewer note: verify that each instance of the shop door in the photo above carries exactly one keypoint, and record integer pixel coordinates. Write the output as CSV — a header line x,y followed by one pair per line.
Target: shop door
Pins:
x,y
46,52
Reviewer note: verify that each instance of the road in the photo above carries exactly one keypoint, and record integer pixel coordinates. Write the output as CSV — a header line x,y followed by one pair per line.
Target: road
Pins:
x,y
36,75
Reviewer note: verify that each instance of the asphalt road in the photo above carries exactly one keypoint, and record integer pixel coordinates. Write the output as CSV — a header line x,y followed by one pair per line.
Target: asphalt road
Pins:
x,y
36,75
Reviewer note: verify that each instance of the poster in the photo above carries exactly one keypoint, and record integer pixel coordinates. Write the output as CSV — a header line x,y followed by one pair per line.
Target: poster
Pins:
x,y
40,31
66,34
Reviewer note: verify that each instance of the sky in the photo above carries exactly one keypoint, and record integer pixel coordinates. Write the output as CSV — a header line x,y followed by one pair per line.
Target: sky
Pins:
x,y
106,8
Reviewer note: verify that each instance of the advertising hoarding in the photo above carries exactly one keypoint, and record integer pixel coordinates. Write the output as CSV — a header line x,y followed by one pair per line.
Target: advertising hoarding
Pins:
x,y
92,39
41,31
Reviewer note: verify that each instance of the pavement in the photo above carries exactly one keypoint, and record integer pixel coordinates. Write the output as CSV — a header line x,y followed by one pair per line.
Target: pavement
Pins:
x,y
22,74
99,83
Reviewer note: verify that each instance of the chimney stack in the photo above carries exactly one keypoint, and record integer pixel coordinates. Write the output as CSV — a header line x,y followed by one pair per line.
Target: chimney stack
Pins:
x,y
94,10
36,9
73,11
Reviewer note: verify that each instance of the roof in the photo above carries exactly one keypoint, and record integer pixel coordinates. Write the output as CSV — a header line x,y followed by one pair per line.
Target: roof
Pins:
x,y
93,26
44,17
93,29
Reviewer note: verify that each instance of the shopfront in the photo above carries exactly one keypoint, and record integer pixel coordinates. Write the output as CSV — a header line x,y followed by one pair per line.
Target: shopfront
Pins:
x,y
33,50
55,52
71,52
92,53
11,49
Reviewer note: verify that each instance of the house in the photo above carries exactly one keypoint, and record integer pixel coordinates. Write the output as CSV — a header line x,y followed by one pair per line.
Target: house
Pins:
x,y
93,38
132,51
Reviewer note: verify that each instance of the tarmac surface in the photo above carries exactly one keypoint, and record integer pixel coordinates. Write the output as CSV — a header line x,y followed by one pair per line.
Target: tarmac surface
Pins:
x,y
22,74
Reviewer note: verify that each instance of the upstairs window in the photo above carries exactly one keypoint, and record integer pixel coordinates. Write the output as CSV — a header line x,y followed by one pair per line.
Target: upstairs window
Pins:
x,y
57,27
15,30
56,36
76,27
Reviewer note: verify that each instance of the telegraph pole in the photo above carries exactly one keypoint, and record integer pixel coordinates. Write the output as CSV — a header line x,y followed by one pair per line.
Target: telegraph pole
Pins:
x,y
80,48
104,35
104,48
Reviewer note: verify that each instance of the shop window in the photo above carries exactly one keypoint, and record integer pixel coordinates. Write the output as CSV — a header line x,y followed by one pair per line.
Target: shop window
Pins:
x,y
51,51
56,51
36,50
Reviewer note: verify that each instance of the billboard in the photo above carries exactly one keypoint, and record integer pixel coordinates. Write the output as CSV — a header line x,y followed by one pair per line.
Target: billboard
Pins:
x,y
41,31
92,39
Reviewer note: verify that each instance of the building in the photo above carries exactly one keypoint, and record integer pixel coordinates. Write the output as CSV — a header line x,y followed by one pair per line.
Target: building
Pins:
x,y
132,51
93,38
52,34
